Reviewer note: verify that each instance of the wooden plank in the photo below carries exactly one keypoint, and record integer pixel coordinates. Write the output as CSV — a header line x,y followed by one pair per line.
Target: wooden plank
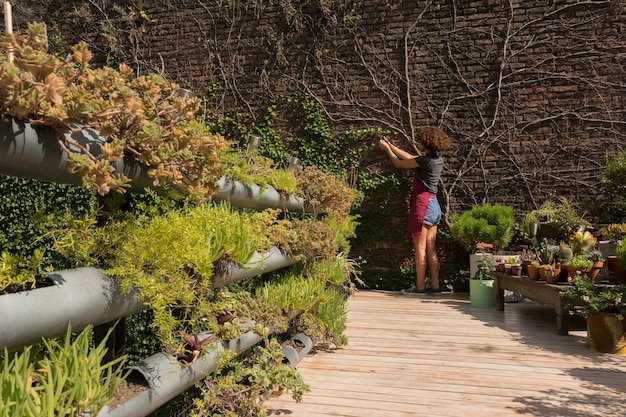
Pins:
x,y
439,357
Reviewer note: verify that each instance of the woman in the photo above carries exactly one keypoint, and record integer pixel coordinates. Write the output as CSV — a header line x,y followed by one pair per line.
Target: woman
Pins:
x,y
425,212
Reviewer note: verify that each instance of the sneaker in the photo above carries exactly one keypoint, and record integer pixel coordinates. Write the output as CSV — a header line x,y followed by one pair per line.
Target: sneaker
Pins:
x,y
436,291
413,290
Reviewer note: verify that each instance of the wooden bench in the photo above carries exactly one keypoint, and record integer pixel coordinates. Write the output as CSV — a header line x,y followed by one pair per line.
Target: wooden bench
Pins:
x,y
537,290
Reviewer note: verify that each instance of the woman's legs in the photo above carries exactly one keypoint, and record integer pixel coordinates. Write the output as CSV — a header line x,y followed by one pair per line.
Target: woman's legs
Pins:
x,y
426,255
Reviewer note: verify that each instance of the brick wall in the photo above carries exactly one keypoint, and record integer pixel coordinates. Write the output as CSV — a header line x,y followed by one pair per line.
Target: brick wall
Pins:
x,y
531,92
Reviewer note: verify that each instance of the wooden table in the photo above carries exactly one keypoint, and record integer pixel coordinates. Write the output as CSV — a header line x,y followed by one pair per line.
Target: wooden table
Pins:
x,y
538,290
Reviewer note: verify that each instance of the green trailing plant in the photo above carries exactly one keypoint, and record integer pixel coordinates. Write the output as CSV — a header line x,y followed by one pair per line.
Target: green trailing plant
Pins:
x,y
144,117
340,271
171,259
238,384
20,273
332,315
595,298
293,293
490,223
256,169
66,378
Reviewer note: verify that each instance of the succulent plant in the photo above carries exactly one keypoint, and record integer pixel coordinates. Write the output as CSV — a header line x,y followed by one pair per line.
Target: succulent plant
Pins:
x,y
143,117
565,254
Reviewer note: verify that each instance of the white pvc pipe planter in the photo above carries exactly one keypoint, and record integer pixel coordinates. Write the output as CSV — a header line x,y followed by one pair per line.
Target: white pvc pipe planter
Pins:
x,y
32,151
78,297
293,355
166,379
86,296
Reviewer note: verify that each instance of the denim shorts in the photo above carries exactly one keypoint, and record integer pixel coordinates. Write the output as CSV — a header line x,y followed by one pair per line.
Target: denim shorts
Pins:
x,y
433,212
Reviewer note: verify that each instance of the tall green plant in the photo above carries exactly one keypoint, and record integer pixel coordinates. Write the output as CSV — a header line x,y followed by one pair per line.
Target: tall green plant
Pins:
x,y
66,379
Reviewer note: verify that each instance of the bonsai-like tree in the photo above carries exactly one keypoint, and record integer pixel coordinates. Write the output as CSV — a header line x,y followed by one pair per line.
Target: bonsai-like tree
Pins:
x,y
489,223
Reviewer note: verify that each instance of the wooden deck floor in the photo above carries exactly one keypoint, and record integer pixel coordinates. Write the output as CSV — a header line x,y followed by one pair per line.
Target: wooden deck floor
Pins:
x,y
410,355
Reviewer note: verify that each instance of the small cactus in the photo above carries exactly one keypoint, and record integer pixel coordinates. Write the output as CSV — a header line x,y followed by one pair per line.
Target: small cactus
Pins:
x,y
565,254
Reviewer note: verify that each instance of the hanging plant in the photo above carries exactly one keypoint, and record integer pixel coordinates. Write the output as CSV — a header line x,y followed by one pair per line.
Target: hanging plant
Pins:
x,y
143,117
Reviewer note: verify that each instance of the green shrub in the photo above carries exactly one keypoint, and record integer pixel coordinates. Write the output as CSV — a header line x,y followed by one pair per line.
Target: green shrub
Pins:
x,y
489,223
613,180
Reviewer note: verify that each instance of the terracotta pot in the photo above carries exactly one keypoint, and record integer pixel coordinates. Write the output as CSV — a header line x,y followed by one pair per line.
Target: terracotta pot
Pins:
x,y
573,271
516,270
533,272
552,278
595,271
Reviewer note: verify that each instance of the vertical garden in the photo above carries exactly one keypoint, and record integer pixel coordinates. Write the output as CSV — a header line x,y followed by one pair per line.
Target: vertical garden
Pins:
x,y
205,244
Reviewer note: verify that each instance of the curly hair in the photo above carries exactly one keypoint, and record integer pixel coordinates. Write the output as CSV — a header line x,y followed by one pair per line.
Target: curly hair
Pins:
x,y
433,138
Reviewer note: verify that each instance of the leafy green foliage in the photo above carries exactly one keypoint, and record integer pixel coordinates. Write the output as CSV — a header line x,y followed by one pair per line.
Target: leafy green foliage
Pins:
x,y
613,232
613,180
141,340
255,169
332,314
489,223
66,379
595,298
234,388
30,208
620,252
18,272
318,145
293,294
581,261
175,275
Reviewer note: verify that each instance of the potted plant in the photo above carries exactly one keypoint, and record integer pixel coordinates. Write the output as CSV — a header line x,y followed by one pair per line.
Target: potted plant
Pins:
x,y
581,242
533,270
597,258
556,219
489,226
482,292
579,265
604,308
549,273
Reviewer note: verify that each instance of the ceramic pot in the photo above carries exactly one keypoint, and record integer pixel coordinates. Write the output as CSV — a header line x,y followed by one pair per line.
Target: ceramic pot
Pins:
x,y
482,293
605,333
617,274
